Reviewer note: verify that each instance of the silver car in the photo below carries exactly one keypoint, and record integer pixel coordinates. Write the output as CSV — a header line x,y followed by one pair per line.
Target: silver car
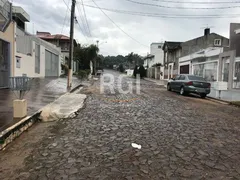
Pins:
x,y
185,84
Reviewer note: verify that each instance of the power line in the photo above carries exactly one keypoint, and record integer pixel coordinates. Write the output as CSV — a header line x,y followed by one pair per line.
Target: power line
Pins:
x,y
198,2
67,5
118,26
81,17
82,30
84,12
171,7
64,21
166,15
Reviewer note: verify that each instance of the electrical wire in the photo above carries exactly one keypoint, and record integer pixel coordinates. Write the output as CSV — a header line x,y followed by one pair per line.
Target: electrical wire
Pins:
x,y
67,5
82,19
171,7
84,12
118,26
64,21
76,20
167,15
198,2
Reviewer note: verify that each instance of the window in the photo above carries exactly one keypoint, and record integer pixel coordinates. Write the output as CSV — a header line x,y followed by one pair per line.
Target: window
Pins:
x,y
182,77
177,77
217,42
159,47
195,78
236,80
208,71
18,62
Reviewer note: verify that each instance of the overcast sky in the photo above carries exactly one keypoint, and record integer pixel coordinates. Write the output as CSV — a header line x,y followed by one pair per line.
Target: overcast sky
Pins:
x,y
49,15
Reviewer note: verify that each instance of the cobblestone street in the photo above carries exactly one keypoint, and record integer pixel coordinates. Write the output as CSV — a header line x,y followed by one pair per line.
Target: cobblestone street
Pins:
x,y
181,138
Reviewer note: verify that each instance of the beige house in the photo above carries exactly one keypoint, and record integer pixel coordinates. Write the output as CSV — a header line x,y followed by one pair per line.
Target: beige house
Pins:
x,y
24,54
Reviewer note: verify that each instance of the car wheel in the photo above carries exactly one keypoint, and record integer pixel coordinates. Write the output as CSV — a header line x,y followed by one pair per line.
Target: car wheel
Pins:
x,y
182,91
203,95
169,87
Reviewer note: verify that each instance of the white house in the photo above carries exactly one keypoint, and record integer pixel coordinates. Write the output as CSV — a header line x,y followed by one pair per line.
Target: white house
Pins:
x,y
157,52
154,60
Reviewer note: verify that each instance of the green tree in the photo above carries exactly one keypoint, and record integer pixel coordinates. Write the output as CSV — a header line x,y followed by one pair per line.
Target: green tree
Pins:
x,y
85,54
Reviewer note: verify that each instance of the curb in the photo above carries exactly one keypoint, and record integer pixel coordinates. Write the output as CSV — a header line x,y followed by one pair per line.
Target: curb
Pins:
x,y
75,88
8,135
14,131
218,100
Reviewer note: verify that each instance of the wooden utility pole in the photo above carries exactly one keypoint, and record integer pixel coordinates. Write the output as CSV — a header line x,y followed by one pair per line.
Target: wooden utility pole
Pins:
x,y
69,85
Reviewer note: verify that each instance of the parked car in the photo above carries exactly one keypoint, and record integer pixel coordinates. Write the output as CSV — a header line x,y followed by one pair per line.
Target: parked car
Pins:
x,y
189,84
99,72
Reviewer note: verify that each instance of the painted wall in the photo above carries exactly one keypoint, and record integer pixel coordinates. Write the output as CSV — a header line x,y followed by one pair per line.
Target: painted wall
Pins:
x,y
156,50
27,63
202,42
8,36
235,38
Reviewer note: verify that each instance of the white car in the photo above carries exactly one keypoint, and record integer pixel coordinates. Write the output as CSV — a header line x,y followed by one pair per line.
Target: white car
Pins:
x,y
99,72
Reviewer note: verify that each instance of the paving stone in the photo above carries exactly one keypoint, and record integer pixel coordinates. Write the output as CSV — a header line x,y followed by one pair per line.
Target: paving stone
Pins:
x,y
179,135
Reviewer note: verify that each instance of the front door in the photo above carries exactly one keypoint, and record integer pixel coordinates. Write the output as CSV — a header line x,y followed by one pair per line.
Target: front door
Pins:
x,y
4,64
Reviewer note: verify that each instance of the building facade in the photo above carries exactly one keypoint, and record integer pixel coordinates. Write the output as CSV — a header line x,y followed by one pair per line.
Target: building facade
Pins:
x,y
172,52
24,54
62,42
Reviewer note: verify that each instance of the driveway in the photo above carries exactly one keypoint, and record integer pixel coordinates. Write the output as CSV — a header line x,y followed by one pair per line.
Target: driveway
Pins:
x,y
180,138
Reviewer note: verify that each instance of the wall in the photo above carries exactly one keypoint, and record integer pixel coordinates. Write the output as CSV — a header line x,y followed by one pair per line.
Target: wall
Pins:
x,y
8,36
157,52
27,65
235,38
202,42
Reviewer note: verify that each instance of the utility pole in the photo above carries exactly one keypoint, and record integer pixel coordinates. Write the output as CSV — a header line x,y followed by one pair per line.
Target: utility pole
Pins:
x,y
69,82
95,61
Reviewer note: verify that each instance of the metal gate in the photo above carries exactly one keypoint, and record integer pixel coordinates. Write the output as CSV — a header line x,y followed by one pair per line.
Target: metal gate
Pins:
x,y
51,64
184,69
4,64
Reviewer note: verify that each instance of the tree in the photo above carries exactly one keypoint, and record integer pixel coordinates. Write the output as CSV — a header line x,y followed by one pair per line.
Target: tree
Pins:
x,y
135,72
85,54
93,54
142,71
121,69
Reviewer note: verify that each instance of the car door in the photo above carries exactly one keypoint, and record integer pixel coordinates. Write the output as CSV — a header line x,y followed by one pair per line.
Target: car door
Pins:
x,y
174,82
180,81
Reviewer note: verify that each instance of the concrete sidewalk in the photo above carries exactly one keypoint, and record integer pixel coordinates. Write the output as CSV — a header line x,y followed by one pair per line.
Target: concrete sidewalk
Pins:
x,y
43,92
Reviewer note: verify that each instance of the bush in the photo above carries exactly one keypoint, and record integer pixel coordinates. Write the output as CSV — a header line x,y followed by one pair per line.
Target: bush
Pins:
x,y
82,74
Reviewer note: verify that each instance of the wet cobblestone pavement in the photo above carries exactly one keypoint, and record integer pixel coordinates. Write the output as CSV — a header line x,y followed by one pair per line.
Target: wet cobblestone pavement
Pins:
x,y
181,138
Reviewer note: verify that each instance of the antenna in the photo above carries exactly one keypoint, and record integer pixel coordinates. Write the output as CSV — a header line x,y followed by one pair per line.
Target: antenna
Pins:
x,y
206,26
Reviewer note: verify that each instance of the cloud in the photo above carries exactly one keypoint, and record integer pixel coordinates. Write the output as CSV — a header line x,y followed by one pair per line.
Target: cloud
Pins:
x,y
49,16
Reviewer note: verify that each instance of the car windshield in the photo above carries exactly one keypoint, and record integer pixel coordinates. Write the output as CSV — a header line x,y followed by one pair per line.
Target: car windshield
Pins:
x,y
196,78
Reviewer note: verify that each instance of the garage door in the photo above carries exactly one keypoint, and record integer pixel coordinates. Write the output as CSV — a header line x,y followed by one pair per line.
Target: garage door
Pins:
x,y
51,64
184,69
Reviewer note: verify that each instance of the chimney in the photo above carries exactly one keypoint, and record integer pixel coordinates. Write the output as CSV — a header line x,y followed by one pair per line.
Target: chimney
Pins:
x,y
206,31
